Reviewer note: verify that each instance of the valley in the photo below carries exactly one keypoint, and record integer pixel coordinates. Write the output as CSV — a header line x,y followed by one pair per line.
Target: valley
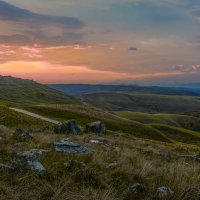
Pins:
x,y
142,144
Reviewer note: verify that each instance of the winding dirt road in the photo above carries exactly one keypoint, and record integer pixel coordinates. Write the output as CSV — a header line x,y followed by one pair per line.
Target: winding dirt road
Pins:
x,y
35,115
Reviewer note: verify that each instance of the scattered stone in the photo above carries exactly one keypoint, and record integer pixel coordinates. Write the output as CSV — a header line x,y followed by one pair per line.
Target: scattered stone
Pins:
x,y
64,146
5,130
36,166
192,157
112,147
68,127
6,169
111,165
97,127
27,160
164,192
32,154
22,134
168,157
94,141
136,188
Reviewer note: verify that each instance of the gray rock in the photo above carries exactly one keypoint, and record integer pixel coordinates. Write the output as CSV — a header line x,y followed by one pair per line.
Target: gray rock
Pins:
x,y
36,166
68,127
27,160
191,157
64,146
164,192
22,134
4,129
111,165
6,169
168,157
97,127
32,154
136,188
94,141
112,147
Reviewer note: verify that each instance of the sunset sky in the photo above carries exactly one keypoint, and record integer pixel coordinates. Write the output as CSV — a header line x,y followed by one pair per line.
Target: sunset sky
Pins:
x,y
101,41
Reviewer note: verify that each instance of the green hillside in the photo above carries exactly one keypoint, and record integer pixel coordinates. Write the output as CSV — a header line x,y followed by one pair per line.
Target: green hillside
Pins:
x,y
178,134
14,120
85,114
184,121
15,91
87,176
150,103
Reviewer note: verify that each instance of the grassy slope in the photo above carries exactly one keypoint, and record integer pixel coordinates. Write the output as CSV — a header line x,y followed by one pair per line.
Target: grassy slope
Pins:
x,y
85,114
143,102
13,119
93,181
138,161
184,121
16,91
178,134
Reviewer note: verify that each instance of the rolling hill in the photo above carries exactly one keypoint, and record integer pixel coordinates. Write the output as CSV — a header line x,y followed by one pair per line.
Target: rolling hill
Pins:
x,y
149,103
86,114
163,149
15,91
183,121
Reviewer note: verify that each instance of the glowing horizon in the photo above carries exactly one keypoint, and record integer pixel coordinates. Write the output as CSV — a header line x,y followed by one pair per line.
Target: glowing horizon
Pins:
x,y
100,42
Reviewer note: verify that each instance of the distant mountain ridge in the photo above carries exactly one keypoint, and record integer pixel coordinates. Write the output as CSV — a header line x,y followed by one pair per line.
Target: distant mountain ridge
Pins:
x,y
79,89
21,91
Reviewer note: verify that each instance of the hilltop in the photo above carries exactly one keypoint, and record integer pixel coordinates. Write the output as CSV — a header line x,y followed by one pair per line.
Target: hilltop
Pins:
x,y
16,91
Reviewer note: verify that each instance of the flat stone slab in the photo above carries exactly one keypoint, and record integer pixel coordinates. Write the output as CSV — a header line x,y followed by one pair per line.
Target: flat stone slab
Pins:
x,y
32,154
64,146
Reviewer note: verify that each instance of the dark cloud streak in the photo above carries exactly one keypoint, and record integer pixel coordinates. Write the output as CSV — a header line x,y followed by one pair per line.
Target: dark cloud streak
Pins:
x,y
33,28
12,13
132,49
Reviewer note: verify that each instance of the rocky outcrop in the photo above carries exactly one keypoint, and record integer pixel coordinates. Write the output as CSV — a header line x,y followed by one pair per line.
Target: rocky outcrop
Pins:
x,y
27,160
191,157
96,127
111,165
136,188
68,127
22,134
64,146
164,192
